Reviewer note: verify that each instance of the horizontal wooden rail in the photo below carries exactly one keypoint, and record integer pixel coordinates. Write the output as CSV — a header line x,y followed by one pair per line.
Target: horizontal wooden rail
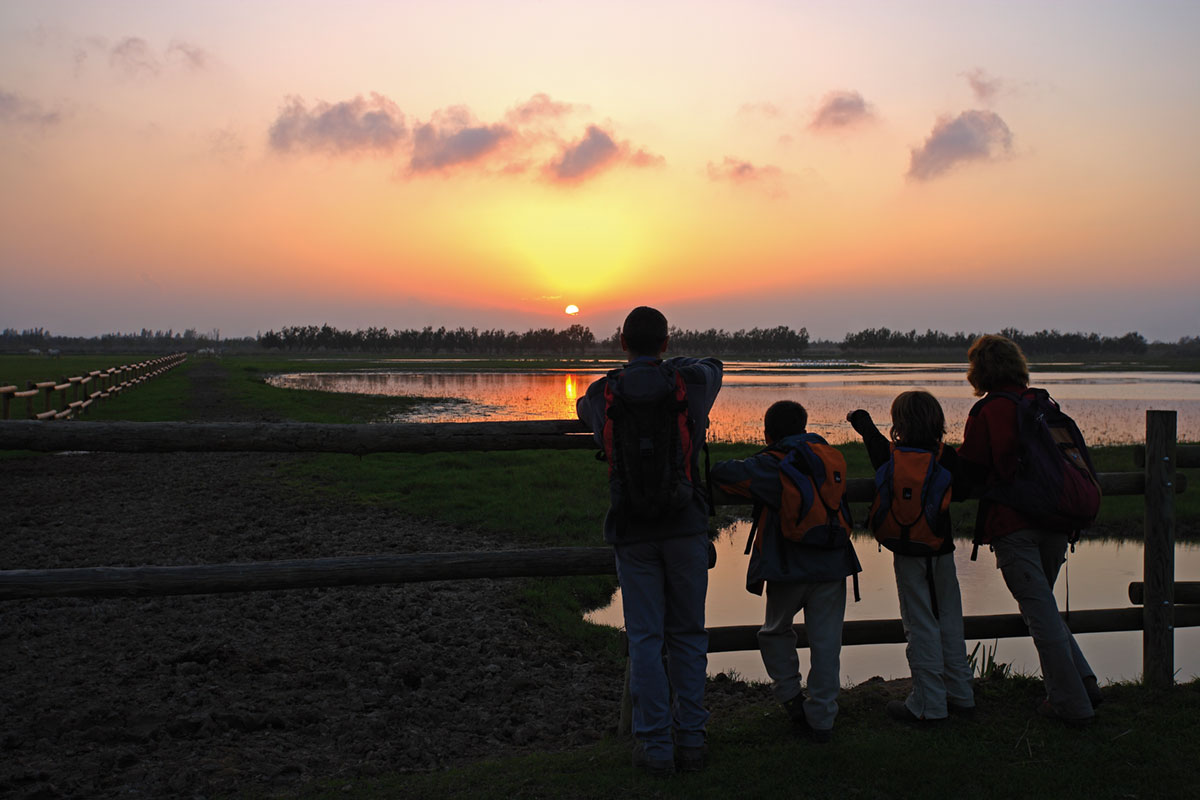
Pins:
x,y
1186,455
1186,592
361,439
294,437
303,574
736,638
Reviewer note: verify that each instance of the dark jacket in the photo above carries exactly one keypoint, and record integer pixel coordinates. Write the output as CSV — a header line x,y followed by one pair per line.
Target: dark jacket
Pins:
x,y
879,450
775,558
990,450
702,377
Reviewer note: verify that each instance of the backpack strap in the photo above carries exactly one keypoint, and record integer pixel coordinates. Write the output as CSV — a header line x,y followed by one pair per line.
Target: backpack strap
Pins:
x,y
755,514
854,579
933,603
712,503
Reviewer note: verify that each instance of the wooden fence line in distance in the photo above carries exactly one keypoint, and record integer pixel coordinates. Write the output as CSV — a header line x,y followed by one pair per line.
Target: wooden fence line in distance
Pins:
x,y
107,383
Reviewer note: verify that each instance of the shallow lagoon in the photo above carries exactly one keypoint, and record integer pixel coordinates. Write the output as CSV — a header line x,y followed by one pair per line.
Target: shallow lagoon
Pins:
x,y
1109,406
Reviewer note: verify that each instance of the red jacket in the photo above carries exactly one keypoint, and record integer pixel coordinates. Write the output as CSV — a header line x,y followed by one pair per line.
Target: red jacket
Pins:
x,y
990,444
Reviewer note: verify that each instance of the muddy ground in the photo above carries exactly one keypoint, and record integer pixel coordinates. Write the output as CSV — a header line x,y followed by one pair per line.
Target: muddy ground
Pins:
x,y
205,695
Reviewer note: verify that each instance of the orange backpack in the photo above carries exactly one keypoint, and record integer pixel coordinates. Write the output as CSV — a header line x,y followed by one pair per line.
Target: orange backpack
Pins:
x,y
812,509
912,493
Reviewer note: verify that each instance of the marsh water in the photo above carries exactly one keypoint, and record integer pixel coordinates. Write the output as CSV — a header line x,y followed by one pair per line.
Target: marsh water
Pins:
x,y
1109,406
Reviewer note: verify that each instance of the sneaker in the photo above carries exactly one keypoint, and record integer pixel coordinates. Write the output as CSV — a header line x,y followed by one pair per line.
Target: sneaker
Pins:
x,y
1048,710
655,767
899,710
1093,690
795,712
691,759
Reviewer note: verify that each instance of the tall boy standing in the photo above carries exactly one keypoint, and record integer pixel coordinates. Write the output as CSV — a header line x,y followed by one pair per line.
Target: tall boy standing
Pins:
x,y
662,564
797,576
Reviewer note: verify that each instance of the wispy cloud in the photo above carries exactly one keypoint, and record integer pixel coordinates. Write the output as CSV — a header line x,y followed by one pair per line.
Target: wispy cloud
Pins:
x,y
539,107
364,124
985,86
189,55
453,137
19,110
971,136
134,57
841,110
596,152
739,172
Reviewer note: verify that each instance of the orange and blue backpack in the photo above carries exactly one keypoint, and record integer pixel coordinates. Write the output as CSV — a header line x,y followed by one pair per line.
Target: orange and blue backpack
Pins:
x,y
912,498
812,509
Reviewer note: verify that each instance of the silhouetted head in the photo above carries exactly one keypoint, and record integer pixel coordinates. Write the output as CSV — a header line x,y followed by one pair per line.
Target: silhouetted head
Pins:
x,y
917,419
996,361
644,332
784,418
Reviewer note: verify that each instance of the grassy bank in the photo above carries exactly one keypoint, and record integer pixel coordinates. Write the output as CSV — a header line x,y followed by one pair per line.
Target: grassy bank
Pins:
x,y
1137,748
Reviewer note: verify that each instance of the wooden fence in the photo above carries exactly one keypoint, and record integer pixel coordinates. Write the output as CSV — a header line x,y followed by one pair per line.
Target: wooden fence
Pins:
x,y
1157,482
99,384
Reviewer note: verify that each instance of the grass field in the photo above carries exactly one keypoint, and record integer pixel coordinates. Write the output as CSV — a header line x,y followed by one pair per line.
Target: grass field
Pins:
x,y
1138,748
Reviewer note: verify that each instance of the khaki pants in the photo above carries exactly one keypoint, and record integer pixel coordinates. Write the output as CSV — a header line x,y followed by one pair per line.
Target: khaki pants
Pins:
x,y
824,606
937,653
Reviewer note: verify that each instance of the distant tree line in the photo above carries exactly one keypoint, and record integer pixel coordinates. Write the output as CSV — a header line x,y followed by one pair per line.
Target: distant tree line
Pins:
x,y
145,341
1051,342
780,341
575,339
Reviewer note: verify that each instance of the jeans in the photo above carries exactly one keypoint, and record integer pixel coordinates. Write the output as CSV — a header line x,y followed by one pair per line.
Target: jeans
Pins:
x,y
663,587
824,607
1029,561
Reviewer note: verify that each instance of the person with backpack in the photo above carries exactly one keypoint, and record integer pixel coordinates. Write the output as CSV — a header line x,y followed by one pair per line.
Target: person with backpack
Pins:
x,y
800,550
910,516
650,417
1026,514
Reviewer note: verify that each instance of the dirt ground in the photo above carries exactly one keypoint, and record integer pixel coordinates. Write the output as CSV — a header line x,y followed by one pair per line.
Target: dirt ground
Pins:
x,y
263,692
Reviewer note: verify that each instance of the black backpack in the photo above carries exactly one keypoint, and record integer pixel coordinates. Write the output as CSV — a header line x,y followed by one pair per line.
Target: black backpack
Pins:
x,y
1055,485
648,444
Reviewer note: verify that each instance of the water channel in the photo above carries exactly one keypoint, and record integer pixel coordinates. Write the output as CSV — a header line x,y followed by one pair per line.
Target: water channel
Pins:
x,y
1109,406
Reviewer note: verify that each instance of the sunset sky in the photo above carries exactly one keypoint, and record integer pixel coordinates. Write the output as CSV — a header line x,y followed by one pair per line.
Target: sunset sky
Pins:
x,y
950,165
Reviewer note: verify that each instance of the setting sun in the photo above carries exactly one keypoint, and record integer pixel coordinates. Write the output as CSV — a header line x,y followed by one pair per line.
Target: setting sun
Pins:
x,y
572,309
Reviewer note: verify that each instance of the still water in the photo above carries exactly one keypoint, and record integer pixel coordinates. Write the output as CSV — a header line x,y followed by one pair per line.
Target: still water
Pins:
x,y
1109,406
1097,574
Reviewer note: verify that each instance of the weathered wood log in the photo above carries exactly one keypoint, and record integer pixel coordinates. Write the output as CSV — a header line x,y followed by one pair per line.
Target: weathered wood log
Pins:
x,y
1187,456
160,437
1185,592
1158,638
262,576
736,638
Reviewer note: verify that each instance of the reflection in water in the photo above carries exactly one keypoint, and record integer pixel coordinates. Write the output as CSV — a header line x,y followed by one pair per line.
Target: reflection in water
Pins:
x,y
1099,573
1109,406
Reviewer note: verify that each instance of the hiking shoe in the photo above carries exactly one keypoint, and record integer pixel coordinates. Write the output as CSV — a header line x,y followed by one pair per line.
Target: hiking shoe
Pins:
x,y
1047,710
899,710
691,759
1093,690
655,767
795,712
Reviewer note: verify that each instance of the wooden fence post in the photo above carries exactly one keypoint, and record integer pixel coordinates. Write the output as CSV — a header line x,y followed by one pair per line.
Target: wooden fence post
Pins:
x,y
1158,633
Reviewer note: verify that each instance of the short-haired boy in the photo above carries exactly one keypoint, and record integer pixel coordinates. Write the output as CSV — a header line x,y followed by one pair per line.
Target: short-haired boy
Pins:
x,y
797,576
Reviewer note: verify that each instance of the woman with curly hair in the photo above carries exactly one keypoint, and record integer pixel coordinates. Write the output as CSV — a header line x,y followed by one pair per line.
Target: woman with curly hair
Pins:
x,y
1028,556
